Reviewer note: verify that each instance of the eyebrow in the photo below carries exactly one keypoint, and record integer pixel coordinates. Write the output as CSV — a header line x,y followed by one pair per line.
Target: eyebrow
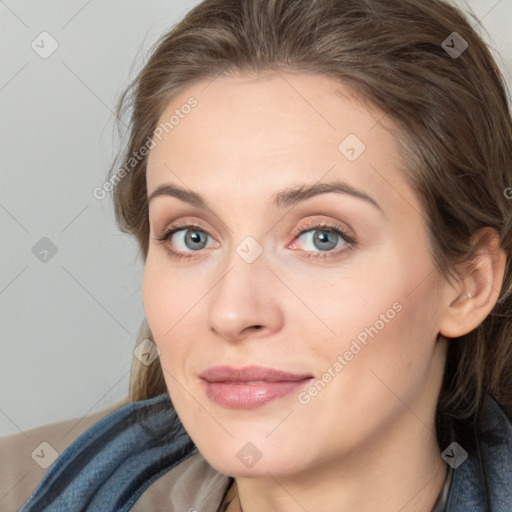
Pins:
x,y
287,197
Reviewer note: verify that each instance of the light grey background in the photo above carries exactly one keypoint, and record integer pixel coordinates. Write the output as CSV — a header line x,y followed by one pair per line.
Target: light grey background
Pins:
x,y
69,324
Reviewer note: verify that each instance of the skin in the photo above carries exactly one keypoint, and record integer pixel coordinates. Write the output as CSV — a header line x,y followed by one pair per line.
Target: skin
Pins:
x,y
367,441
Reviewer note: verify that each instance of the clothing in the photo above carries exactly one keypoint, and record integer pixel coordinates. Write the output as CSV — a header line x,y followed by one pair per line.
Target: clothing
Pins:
x,y
20,467
140,458
231,503
442,500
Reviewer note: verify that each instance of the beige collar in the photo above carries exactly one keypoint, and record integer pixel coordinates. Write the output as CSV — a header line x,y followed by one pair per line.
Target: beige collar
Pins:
x,y
231,502
192,484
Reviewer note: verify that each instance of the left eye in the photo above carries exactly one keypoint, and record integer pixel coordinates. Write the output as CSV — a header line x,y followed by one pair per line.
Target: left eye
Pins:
x,y
322,239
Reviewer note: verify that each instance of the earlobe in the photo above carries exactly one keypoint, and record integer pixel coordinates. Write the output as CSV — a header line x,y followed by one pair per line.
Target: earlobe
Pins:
x,y
478,290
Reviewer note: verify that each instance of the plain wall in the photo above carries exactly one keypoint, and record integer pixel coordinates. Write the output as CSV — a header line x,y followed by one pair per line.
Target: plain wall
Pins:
x,y
70,315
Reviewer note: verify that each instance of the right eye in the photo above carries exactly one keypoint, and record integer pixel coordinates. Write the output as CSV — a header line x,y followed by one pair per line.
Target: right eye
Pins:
x,y
188,239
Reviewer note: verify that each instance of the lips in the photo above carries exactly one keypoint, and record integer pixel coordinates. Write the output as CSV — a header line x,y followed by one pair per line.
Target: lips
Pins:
x,y
251,386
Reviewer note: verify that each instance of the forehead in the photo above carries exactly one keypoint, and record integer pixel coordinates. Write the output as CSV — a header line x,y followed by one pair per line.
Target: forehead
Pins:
x,y
251,133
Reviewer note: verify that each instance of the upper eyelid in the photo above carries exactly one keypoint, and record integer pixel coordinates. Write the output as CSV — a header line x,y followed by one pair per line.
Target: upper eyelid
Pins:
x,y
178,226
312,225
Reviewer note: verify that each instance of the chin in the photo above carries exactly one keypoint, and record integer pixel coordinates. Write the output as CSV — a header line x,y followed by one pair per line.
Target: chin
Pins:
x,y
237,470
249,462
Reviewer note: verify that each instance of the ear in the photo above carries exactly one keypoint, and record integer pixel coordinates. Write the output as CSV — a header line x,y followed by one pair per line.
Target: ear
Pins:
x,y
474,296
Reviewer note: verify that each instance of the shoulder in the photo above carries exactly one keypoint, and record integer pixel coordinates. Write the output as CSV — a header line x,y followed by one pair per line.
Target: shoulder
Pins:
x,y
112,463
27,456
486,474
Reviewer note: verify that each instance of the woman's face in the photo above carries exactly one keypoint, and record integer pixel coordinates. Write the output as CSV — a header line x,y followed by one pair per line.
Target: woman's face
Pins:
x,y
305,252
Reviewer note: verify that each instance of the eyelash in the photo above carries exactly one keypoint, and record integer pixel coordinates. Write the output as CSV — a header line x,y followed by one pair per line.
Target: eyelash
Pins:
x,y
314,226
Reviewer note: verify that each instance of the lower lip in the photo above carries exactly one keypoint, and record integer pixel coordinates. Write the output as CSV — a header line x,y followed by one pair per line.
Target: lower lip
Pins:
x,y
250,396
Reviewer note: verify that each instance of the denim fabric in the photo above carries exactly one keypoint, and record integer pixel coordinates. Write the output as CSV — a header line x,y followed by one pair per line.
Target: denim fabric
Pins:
x,y
488,469
109,466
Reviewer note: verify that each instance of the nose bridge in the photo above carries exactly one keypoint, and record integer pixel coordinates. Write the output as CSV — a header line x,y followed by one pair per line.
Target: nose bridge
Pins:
x,y
243,296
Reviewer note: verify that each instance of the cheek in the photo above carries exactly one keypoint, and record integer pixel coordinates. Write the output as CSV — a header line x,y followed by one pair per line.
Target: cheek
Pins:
x,y
361,302
165,302
383,320
369,372
155,299
168,293
386,354
174,304
165,306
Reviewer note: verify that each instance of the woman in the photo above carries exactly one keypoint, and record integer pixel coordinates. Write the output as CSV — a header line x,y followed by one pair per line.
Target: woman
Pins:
x,y
319,192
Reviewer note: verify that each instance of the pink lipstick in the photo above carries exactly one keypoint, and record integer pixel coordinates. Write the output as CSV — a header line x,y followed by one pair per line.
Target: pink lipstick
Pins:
x,y
251,386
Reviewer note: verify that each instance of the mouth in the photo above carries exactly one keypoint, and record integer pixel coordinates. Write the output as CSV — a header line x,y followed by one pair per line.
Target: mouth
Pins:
x,y
251,386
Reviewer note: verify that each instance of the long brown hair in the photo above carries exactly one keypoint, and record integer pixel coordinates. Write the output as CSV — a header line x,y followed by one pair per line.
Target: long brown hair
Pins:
x,y
455,135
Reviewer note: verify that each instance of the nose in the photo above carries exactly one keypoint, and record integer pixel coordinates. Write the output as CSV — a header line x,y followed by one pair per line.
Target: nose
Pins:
x,y
244,303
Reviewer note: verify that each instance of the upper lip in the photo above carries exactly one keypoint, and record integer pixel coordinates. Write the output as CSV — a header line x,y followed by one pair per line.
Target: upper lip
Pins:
x,y
249,373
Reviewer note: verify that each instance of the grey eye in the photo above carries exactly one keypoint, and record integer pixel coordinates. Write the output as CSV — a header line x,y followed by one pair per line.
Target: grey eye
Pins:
x,y
190,239
322,240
